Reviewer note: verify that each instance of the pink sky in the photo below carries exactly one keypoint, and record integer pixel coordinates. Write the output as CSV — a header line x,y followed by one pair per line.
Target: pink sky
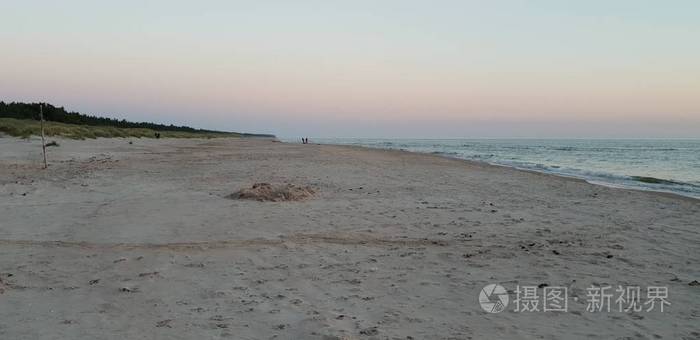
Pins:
x,y
364,70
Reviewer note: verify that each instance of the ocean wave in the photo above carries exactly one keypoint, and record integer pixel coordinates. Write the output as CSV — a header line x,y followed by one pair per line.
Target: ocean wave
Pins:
x,y
596,177
606,178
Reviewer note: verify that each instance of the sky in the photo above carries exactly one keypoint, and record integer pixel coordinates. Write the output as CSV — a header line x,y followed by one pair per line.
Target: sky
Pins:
x,y
357,68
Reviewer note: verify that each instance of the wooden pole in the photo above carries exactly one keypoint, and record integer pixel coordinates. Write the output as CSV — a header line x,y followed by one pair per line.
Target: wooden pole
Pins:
x,y
43,143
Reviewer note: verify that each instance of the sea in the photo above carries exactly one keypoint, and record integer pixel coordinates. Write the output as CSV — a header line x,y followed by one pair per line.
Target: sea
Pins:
x,y
666,165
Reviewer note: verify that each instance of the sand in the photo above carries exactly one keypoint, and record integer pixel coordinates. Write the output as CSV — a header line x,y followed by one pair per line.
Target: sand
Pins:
x,y
139,241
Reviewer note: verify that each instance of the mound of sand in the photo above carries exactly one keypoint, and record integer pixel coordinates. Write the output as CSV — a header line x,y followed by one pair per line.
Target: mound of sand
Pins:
x,y
266,192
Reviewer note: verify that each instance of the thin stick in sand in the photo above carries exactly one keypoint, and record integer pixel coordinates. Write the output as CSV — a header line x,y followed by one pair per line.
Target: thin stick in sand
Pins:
x,y
43,143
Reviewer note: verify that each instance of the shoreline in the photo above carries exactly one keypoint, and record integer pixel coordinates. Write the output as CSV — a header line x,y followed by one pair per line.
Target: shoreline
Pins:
x,y
663,193
573,177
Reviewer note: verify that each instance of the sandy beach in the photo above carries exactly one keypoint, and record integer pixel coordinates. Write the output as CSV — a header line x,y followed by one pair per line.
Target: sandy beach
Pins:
x,y
140,241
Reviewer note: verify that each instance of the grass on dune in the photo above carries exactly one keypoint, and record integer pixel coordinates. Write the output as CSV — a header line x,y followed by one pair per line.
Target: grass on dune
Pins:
x,y
26,127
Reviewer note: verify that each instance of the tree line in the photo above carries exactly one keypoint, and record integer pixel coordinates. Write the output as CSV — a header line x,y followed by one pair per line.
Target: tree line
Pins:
x,y
59,114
